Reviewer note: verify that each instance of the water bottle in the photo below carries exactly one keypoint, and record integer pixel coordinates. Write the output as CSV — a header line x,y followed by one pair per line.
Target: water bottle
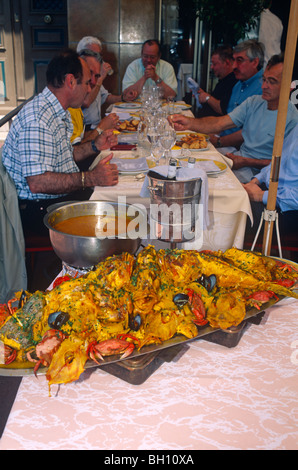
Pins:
x,y
172,169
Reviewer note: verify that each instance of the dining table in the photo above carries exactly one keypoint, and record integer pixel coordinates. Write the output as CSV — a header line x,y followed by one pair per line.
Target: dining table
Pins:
x,y
228,202
229,390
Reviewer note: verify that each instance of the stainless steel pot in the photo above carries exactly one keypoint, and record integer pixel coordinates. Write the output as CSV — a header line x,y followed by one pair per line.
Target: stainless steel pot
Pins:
x,y
85,252
176,204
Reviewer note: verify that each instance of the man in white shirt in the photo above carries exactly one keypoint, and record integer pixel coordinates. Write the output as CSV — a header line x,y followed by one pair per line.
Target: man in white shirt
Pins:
x,y
151,70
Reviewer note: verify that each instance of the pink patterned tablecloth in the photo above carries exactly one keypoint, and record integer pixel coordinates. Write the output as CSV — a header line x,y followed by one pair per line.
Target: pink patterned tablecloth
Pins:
x,y
208,397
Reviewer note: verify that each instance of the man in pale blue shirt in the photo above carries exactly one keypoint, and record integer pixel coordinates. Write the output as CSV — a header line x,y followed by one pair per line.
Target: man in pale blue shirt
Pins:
x,y
150,70
287,191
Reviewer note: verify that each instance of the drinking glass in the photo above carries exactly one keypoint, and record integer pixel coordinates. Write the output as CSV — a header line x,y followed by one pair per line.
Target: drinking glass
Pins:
x,y
152,136
167,140
171,105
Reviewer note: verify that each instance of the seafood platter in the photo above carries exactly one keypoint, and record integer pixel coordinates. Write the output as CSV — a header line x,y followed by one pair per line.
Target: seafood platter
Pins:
x,y
132,308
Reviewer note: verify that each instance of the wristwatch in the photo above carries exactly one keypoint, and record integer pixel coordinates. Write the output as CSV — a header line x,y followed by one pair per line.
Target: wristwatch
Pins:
x,y
94,148
100,131
158,81
207,98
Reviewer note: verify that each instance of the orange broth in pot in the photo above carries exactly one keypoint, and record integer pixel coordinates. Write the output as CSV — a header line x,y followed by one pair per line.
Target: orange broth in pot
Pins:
x,y
94,225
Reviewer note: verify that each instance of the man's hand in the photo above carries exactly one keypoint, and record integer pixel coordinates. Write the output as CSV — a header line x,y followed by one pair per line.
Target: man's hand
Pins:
x,y
105,69
106,140
150,72
202,96
129,95
254,191
238,161
109,122
105,173
180,122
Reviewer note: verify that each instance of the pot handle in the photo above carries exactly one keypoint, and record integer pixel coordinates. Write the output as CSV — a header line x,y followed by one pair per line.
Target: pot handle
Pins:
x,y
57,205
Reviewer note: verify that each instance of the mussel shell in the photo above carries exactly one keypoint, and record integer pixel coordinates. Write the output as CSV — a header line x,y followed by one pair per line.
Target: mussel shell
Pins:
x,y
57,319
135,322
209,282
180,299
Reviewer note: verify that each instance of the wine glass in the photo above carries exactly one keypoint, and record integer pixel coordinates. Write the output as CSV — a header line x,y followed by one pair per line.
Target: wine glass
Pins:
x,y
143,144
167,139
159,155
171,105
152,136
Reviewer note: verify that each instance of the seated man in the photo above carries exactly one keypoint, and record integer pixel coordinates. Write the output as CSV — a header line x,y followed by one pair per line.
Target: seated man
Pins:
x,y
37,152
80,134
151,70
248,59
90,47
257,118
215,103
287,191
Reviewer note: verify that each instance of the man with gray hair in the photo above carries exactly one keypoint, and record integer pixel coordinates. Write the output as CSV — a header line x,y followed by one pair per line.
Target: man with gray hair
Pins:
x,y
90,46
248,69
248,65
89,42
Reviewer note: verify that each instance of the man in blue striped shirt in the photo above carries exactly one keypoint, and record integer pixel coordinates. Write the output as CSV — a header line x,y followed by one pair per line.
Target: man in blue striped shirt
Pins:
x,y
38,154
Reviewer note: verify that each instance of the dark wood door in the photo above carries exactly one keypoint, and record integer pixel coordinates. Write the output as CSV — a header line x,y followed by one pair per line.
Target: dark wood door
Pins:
x,y
34,31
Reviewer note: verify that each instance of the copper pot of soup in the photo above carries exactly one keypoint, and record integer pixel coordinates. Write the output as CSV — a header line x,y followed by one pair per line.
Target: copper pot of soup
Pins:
x,y
84,233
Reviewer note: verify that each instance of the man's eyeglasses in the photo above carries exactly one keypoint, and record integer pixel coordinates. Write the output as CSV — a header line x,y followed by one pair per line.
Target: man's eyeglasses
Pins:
x,y
89,53
270,81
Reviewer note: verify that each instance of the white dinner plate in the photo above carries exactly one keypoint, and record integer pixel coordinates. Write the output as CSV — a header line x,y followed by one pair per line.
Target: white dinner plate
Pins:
x,y
128,105
182,106
132,172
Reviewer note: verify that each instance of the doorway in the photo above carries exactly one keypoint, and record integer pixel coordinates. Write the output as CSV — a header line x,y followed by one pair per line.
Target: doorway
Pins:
x,y
31,33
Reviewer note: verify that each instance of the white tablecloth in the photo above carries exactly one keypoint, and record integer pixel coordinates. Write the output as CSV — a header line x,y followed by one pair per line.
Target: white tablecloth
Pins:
x,y
229,204
208,397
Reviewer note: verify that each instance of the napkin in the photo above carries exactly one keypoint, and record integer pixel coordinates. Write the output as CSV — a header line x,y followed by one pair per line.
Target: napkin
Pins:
x,y
122,116
194,87
134,164
184,174
207,165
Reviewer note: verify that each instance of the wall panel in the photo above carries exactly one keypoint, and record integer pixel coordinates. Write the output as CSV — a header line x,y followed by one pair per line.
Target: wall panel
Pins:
x,y
121,25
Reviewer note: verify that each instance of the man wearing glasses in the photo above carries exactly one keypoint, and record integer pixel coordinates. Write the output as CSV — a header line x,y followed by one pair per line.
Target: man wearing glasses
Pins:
x,y
90,49
150,70
256,117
